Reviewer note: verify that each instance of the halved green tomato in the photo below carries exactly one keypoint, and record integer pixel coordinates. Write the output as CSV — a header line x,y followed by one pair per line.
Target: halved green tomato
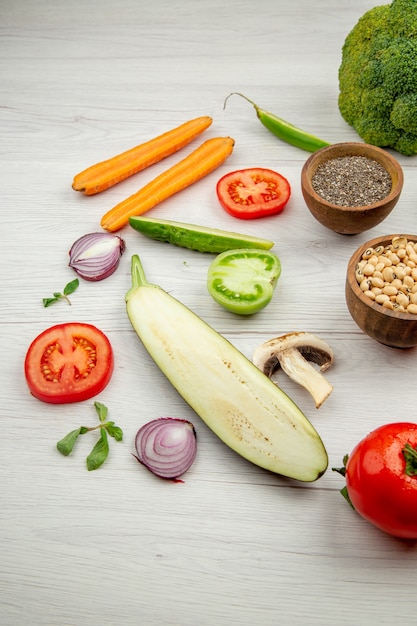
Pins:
x,y
243,281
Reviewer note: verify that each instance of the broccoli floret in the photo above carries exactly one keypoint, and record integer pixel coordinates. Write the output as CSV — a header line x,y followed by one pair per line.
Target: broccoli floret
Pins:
x,y
378,77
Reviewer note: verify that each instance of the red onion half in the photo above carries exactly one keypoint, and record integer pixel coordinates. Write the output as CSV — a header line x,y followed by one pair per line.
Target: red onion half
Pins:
x,y
167,446
96,256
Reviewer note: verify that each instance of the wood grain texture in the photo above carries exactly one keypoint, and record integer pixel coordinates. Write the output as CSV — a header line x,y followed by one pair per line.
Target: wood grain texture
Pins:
x,y
233,545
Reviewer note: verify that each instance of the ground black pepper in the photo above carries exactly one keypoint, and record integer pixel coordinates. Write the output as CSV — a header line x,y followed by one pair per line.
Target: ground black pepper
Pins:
x,y
351,181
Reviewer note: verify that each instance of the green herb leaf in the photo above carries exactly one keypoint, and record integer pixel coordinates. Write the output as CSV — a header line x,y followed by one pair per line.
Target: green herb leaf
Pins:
x,y
66,444
114,431
68,289
71,287
102,411
99,453
48,301
345,494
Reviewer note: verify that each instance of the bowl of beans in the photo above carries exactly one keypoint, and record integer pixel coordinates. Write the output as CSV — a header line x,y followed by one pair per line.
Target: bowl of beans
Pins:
x,y
381,289
351,187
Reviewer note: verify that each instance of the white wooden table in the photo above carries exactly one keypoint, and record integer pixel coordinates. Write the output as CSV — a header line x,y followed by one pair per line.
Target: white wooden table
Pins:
x,y
233,545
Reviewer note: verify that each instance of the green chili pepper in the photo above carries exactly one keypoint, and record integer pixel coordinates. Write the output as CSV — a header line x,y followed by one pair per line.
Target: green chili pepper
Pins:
x,y
284,130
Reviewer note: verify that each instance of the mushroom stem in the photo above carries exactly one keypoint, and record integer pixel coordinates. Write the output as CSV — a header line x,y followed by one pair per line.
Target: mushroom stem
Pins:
x,y
302,372
292,353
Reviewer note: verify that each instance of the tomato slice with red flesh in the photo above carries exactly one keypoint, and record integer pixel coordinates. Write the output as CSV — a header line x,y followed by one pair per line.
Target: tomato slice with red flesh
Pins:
x,y
69,363
253,193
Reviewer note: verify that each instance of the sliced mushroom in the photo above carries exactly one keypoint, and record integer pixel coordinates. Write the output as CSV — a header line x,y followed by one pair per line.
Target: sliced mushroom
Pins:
x,y
294,353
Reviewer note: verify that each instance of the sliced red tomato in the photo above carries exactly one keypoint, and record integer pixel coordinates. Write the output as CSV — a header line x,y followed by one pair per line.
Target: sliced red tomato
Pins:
x,y
69,363
252,193
381,479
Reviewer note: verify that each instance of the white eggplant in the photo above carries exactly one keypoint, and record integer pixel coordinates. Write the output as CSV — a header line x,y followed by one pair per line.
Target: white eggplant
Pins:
x,y
237,401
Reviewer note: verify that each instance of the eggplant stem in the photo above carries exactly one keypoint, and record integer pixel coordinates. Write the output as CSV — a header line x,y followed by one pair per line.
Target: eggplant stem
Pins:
x,y
138,273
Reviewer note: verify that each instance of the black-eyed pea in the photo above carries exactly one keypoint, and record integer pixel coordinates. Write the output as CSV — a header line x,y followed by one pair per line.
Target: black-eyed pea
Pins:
x,y
368,253
413,297
369,269
401,253
379,267
381,298
369,294
413,257
402,299
397,283
365,284
398,308
390,290
376,281
385,260
376,291
414,274
400,272
412,308
393,258
414,288
409,248
411,264
408,281
388,274
387,304
379,250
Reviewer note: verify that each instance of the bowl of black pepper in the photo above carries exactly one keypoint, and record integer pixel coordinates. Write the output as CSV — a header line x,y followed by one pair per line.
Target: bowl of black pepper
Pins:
x,y
351,187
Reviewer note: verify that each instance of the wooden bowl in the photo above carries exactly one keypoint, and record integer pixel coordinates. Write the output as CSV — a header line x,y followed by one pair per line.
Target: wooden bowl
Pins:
x,y
343,219
398,330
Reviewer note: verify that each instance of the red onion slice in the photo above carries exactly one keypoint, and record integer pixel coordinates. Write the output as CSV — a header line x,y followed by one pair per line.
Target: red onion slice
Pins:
x,y
96,256
166,446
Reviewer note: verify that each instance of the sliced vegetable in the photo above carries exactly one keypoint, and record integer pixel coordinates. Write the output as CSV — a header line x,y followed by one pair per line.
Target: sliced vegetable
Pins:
x,y
100,451
253,193
284,130
68,363
195,237
293,353
206,158
243,281
245,409
105,174
96,256
381,479
166,446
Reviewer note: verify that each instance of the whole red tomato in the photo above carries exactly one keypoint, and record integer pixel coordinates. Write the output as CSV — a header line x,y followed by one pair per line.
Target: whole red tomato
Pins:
x,y
381,479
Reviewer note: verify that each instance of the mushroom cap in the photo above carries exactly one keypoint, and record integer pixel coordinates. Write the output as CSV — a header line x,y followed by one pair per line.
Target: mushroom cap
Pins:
x,y
311,347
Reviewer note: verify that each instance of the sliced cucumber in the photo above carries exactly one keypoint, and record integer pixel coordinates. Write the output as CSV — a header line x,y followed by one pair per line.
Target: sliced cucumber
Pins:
x,y
245,409
195,237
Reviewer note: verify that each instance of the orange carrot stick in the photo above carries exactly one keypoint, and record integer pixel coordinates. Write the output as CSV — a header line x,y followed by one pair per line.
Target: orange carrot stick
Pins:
x,y
206,158
101,176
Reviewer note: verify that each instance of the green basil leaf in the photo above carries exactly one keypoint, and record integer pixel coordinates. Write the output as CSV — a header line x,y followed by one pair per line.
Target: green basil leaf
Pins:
x,y
48,301
114,431
102,411
71,287
99,453
66,444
